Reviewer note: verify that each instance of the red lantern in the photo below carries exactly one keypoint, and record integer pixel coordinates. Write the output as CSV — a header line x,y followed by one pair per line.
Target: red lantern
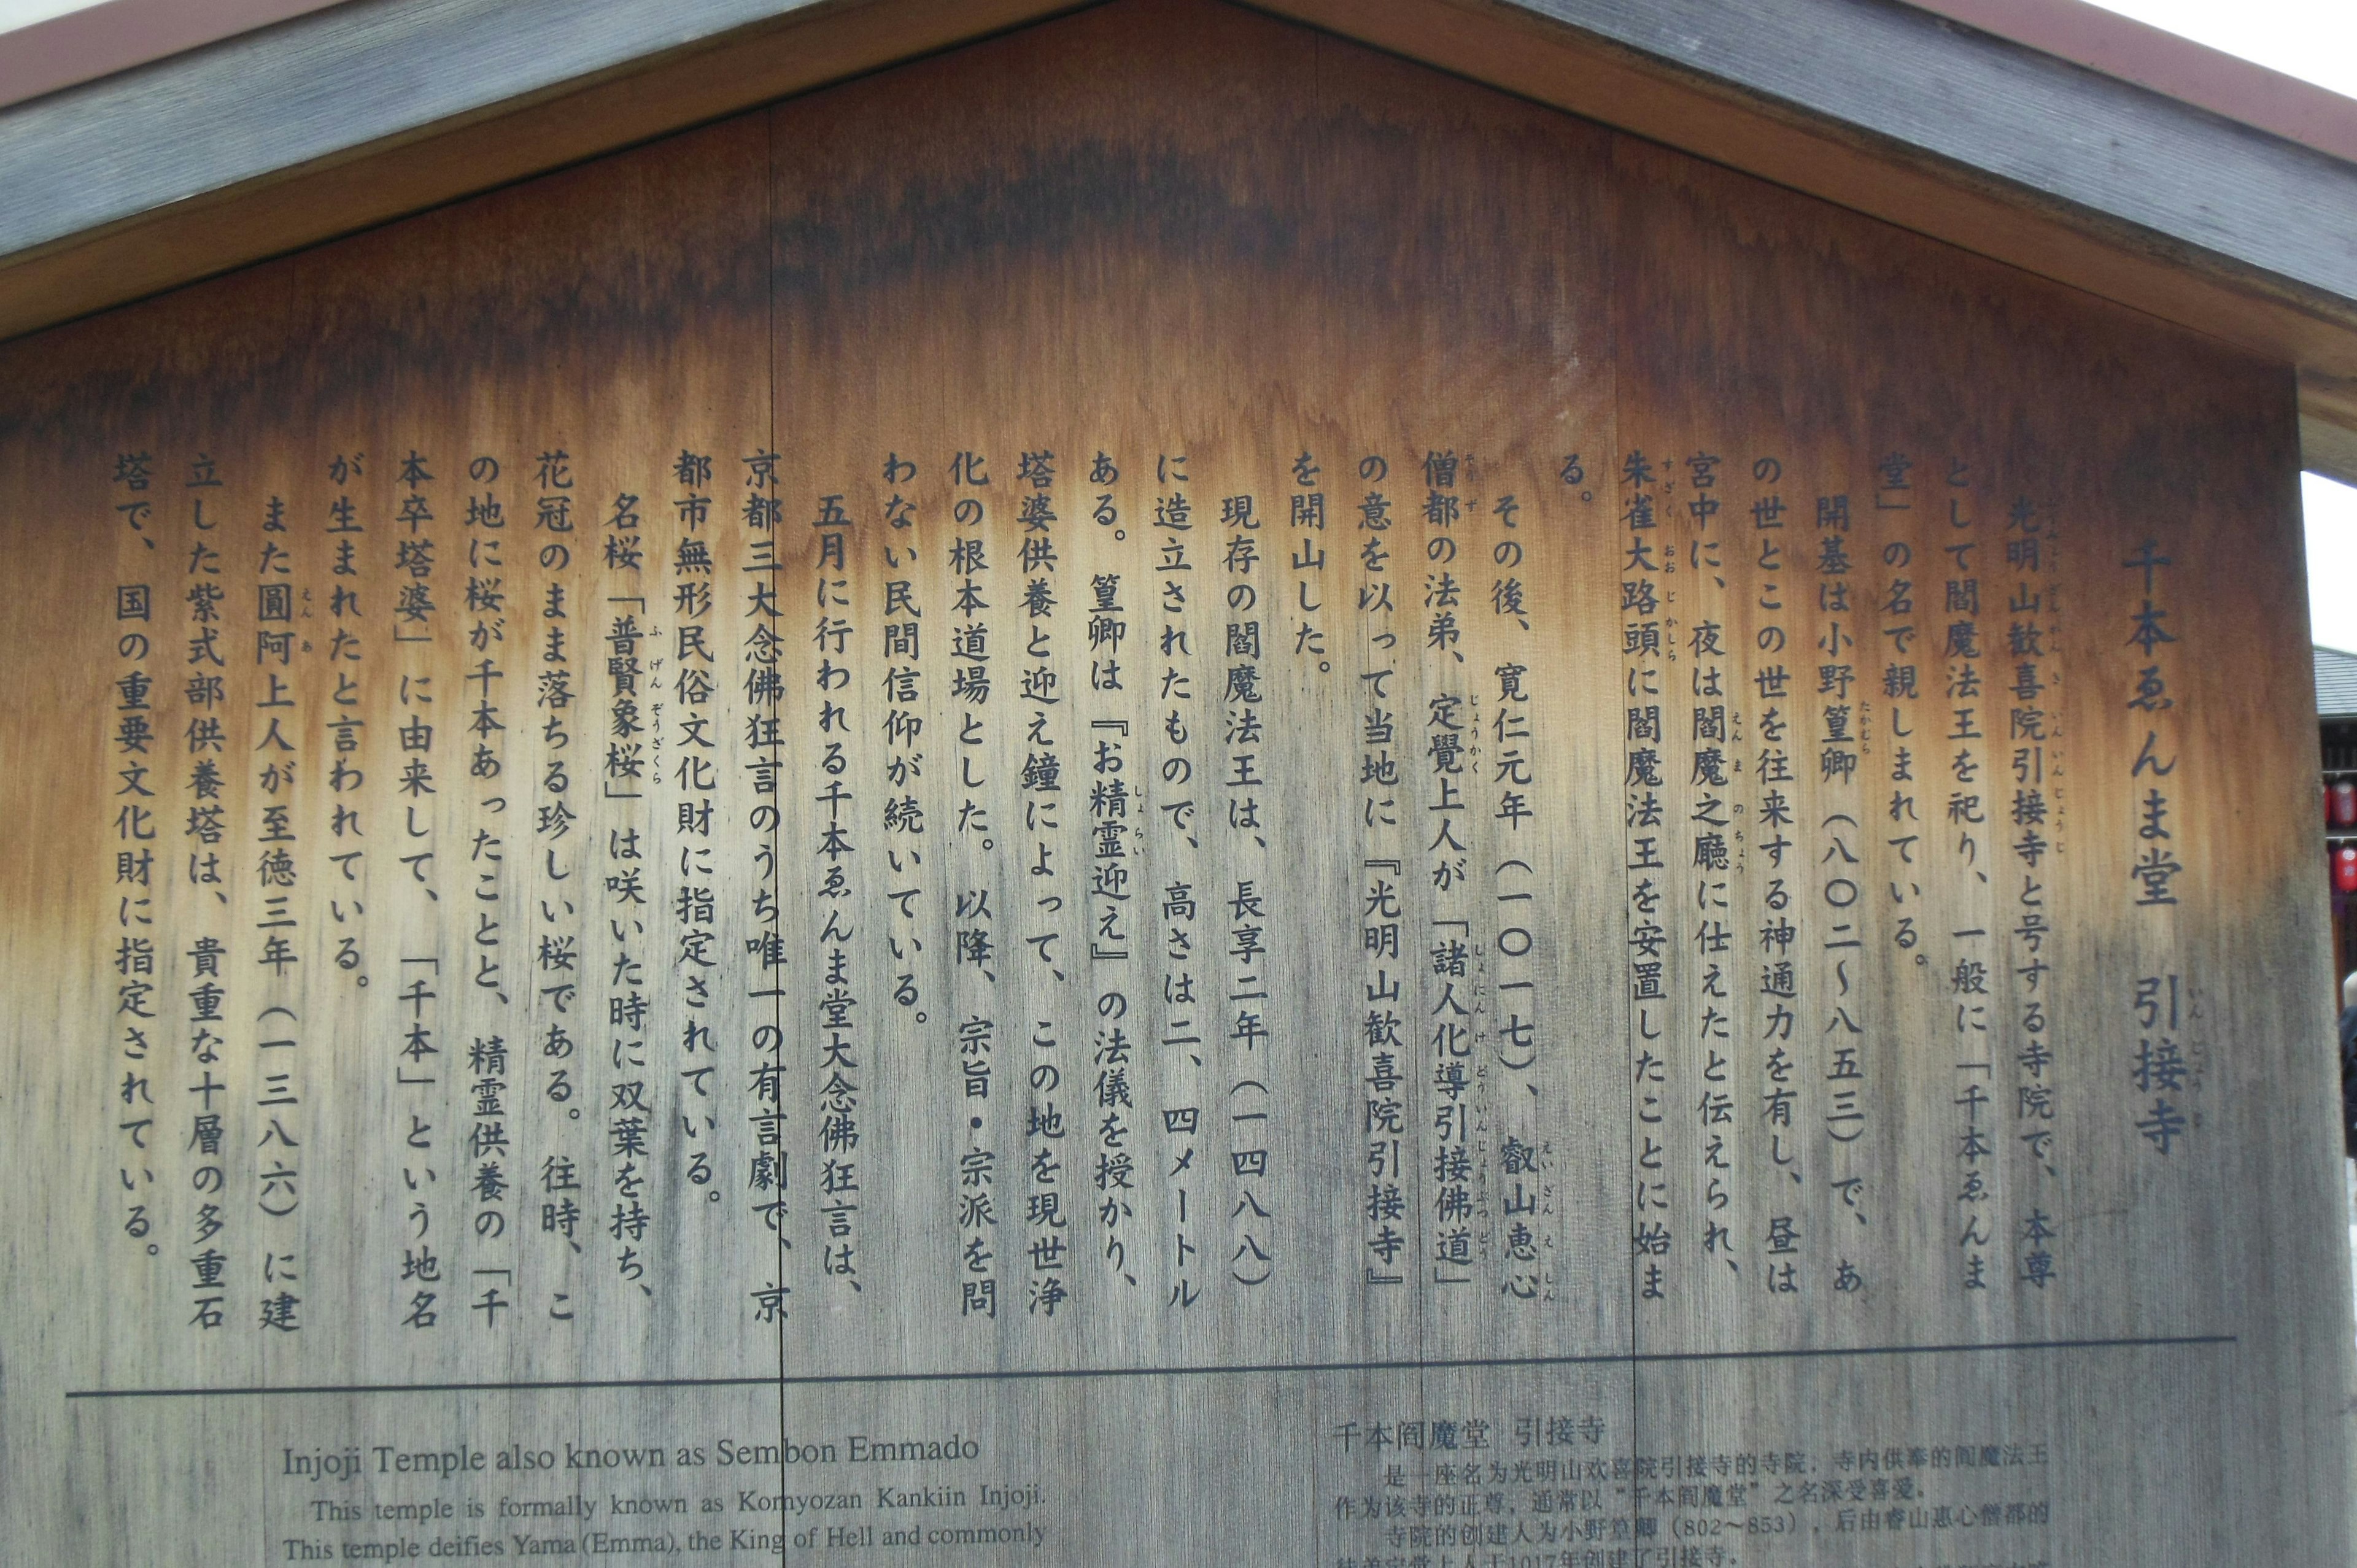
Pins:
x,y
2344,868
2342,811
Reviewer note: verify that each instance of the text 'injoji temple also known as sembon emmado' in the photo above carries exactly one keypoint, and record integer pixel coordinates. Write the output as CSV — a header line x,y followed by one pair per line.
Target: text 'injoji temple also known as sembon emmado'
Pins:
x,y
1378,785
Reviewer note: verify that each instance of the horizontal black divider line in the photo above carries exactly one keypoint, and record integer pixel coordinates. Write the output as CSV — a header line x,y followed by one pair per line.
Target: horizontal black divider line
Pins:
x,y
1297,1368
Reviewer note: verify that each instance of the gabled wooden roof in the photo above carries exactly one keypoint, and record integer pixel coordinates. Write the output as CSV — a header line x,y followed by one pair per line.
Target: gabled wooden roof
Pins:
x,y
2069,164
2336,683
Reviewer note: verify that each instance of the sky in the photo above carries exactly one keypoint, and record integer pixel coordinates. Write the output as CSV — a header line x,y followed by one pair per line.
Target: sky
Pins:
x,y
2332,561
2315,40
24,13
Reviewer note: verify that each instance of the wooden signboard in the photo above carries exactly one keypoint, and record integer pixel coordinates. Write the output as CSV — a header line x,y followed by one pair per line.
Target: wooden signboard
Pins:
x,y
1162,793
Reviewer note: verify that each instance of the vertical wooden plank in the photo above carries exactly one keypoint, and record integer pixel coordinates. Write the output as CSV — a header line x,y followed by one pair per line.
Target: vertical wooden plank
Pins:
x,y
606,315
2028,415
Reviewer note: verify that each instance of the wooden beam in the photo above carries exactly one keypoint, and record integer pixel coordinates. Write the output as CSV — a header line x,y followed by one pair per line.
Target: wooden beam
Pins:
x,y
1953,134
279,206
1512,46
118,35
2106,41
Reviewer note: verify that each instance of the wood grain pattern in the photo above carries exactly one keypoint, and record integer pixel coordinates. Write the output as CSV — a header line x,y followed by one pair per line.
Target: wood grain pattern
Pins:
x,y
2093,229
1027,936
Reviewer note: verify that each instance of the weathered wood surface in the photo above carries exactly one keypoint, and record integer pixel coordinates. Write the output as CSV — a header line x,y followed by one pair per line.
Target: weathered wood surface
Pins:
x,y
1396,1218
199,164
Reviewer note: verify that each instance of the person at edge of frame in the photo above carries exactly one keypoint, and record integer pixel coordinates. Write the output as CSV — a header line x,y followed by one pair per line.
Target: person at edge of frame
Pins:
x,y
2349,1064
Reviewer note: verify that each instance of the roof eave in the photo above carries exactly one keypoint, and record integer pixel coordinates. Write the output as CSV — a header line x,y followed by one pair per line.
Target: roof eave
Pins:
x,y
361,112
